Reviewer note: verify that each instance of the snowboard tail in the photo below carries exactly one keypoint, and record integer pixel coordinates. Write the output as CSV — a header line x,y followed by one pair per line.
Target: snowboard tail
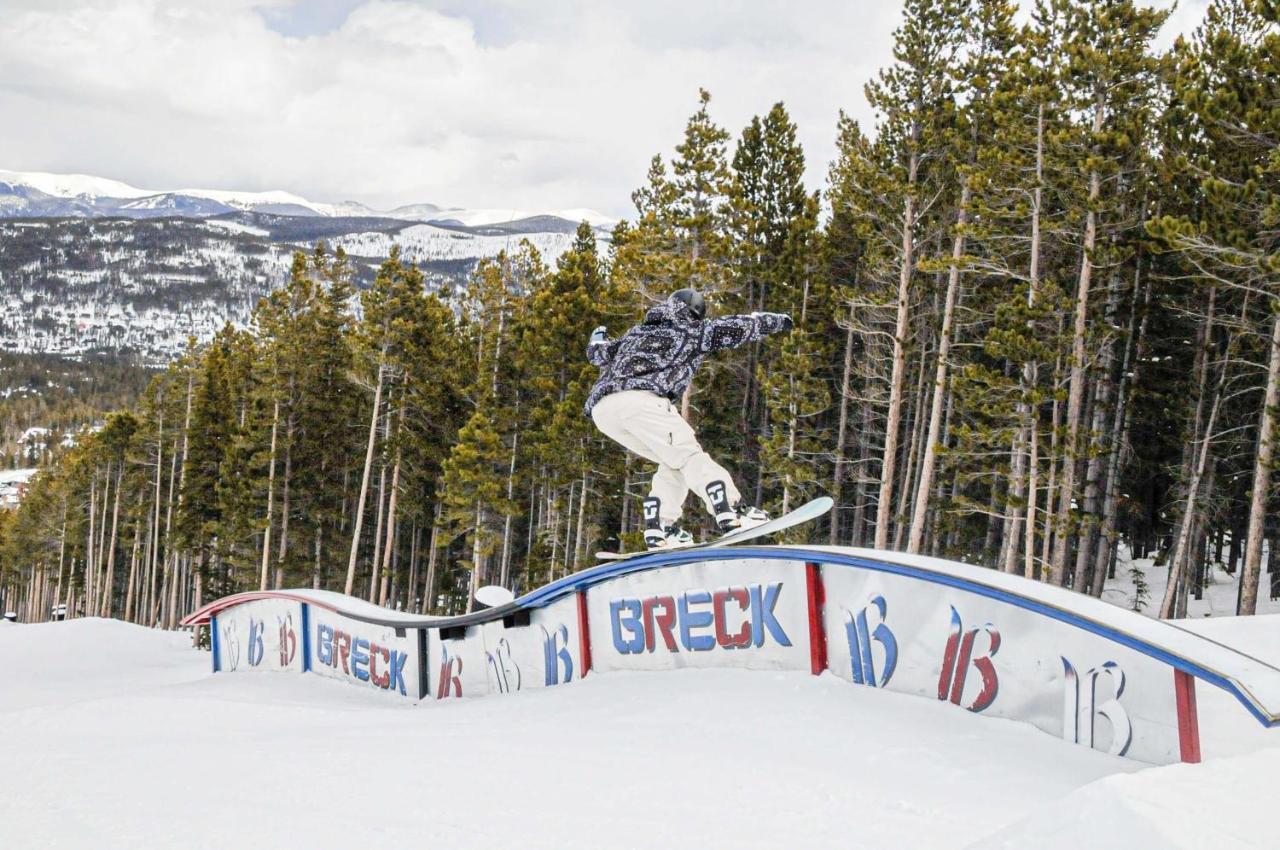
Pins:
x,y
805,513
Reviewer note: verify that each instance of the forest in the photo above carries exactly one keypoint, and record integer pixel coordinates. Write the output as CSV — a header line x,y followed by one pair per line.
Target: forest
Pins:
x,y
1037,328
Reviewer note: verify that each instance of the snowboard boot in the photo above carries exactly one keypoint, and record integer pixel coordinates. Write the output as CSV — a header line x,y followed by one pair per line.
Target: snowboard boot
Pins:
x,y
733,517
670,537
658,536
653,533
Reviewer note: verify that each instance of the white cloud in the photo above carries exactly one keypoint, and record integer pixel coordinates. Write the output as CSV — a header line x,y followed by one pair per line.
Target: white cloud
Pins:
x,y
478,102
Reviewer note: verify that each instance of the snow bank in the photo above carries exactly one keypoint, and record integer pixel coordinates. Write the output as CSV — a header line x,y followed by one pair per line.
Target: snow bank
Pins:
x,y
178,757
117,736
1218,599
77,660
1257,636
1224,804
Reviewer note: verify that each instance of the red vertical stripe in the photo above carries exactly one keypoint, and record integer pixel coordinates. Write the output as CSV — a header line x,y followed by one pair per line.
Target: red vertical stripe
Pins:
x,y
584,633
1184,689
817,634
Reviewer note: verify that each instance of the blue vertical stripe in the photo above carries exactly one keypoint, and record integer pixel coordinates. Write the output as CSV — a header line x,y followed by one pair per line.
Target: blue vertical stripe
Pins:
x,y
306,637
213,642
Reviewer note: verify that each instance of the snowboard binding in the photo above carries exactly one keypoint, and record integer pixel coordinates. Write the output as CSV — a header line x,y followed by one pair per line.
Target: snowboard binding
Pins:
x,y
658,536
737,517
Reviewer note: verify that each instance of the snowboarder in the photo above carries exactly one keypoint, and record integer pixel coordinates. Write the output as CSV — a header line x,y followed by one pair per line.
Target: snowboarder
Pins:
x,y
643,374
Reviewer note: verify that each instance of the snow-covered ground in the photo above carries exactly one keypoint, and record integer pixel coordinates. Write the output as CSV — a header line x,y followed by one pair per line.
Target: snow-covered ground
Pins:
x,y
1218,598
119,736
427,242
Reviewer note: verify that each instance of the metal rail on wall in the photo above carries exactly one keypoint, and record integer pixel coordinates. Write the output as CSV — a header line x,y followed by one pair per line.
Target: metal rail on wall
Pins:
x,y
1255,684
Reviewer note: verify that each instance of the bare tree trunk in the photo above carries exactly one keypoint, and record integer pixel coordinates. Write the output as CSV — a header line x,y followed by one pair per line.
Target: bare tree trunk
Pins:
x,y
62,554
271,494
93,601
415,537
160,569
915,415
88,553
1093,474
133,565
105,607
888,466
153,547
317,554
846,388
553,522
477,558
1023,471
429,592
1051,491
377,532
1134,352
1182,542
505,571
916,538
393,503
858,531
1075,393
283,549
364,480
579,543
1261,481
171,615
1029,527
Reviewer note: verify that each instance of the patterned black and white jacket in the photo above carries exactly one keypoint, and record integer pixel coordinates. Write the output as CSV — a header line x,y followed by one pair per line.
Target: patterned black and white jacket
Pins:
x,y
661,353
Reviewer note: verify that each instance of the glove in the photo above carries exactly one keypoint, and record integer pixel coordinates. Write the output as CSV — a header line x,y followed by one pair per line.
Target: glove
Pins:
x,y
598,335
784,321
787,324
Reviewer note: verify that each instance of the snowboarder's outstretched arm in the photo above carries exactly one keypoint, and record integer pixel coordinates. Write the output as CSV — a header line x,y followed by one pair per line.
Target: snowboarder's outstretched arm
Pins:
x,y
601,350
734,331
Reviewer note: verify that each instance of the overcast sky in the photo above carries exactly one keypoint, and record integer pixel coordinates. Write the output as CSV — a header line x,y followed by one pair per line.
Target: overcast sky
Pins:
x,y
532,104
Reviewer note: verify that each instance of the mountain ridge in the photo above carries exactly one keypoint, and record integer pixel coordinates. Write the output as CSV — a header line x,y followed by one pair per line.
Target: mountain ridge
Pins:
x,y
39,194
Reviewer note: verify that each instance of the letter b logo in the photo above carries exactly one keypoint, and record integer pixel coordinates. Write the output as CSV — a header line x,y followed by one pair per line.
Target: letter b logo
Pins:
x,y
557,660
861,634
256,649
958,657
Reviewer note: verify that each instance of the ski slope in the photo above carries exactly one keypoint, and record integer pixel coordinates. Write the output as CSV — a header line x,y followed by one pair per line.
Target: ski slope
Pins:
x,y
119,736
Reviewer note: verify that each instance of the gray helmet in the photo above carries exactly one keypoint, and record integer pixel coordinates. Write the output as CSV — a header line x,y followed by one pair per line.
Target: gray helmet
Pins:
x,y
692,297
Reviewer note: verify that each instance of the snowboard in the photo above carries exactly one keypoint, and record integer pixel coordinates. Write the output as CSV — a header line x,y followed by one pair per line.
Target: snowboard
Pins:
x,y
804,513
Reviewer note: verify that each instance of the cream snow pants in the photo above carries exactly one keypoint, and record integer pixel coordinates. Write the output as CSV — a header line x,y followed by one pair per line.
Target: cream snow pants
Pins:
x,y
650,426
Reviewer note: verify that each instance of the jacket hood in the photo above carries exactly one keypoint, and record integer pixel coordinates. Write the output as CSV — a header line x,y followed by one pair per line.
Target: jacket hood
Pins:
x,y
669,312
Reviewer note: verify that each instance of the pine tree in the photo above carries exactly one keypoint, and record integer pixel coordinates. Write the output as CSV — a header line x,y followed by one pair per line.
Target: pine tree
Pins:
x,y
794,383
1113,76
909,98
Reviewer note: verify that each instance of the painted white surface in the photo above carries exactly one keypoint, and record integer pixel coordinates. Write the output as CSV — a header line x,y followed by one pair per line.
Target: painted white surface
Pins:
x,y
362,654
746,613
263,635
1263,680
988,656
492,659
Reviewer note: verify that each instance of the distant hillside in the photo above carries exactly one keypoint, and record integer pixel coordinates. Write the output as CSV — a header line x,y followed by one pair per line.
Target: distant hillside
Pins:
x,y
143,286
26,194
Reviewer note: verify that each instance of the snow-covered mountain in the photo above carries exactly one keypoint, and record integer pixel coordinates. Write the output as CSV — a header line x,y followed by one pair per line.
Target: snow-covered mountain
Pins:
x,y
85,272
25,194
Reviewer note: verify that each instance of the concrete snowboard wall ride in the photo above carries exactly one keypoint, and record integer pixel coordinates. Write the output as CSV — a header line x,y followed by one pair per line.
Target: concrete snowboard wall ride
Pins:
x,y
987,642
